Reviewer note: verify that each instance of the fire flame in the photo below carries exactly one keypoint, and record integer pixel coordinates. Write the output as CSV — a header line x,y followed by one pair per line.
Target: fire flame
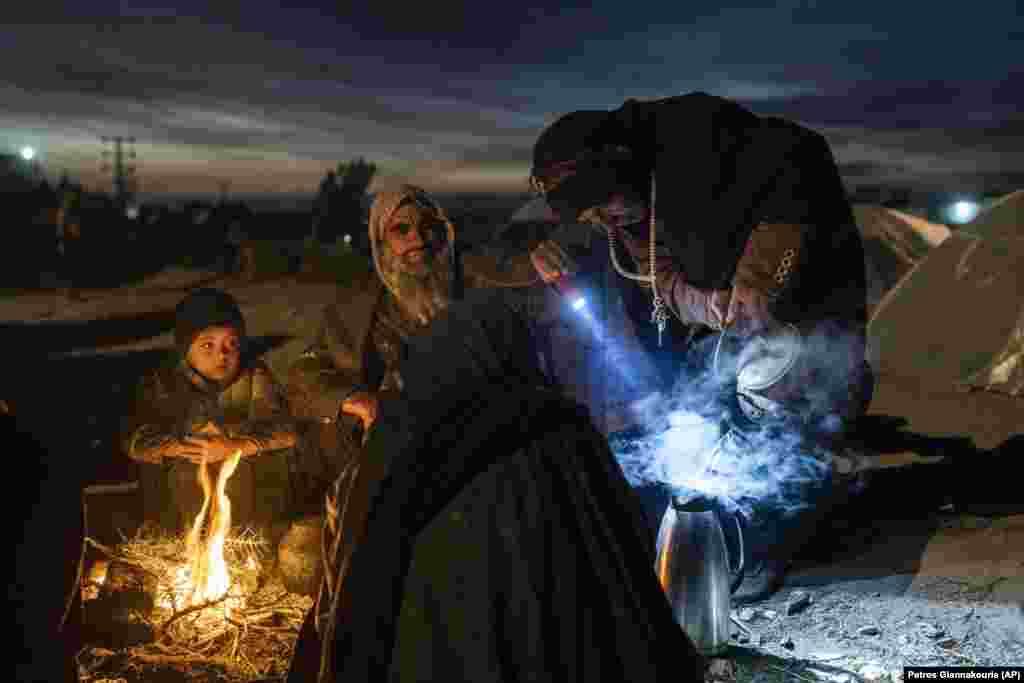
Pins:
x,y
206,573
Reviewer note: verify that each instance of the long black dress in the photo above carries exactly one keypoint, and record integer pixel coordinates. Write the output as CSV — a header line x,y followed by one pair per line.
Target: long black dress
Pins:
x,y
45,521
502,542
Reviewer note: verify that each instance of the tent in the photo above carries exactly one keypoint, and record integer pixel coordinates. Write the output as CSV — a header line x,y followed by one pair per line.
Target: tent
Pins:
x,y
948,340
1003,218
893,243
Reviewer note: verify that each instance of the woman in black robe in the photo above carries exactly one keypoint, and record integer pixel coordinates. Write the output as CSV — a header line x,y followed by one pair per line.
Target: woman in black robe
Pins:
x,y
501,540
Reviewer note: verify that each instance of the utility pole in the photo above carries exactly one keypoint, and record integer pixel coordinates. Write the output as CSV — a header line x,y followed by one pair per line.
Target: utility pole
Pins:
x,y
123,174
225,189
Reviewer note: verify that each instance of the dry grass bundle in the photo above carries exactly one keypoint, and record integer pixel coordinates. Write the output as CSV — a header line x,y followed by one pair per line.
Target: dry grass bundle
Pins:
x,y
249,634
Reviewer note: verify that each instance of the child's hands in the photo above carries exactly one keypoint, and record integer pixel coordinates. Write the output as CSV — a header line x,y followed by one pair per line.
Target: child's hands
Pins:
x,y
208,448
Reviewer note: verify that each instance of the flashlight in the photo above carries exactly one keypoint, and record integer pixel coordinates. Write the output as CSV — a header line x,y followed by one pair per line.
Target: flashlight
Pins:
x,y
565,286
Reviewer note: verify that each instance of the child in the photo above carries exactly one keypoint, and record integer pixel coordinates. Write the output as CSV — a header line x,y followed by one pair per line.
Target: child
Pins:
x,y
210,401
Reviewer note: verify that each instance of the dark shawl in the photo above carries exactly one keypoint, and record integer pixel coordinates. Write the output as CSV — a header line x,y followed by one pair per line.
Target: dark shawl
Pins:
x,y
721,170
475,399
46,522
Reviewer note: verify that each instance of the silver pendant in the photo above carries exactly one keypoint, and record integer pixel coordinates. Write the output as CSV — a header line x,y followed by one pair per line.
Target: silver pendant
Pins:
x,y
659,316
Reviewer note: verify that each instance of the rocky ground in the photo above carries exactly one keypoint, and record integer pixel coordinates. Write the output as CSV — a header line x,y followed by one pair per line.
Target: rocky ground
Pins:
x,y
866,615
838,635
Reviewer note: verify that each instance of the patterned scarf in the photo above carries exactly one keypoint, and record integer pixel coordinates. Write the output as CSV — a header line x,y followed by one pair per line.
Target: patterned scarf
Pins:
x,y
420,297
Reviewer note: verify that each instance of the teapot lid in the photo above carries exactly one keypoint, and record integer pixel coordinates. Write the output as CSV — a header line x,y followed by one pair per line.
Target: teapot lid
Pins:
x,y
691,500
766,358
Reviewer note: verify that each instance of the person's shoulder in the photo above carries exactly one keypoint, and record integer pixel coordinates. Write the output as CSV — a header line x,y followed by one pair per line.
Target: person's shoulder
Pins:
x,y
698,102
693,114
790,133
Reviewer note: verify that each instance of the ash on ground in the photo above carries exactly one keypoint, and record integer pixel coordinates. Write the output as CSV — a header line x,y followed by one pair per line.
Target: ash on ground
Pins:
x,y
841,636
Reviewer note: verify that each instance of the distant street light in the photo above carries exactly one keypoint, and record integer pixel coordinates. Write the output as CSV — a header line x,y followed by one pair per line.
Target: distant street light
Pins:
x,y
28,153
963,211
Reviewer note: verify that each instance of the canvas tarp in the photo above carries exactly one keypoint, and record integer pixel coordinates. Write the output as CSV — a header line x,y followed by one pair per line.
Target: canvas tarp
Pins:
x,y
949,337
1004,218
894,242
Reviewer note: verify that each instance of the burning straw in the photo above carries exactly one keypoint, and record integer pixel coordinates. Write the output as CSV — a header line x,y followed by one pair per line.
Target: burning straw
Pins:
x,y
247,633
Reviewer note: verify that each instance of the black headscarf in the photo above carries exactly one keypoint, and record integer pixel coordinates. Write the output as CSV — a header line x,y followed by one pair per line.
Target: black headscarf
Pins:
x,y
719,169
204,308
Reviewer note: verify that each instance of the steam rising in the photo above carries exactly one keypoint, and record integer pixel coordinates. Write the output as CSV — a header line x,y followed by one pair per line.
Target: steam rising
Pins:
x,y
696,438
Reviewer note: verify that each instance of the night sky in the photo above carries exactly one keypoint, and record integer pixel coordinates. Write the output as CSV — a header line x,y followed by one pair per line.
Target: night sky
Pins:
x,y
452,95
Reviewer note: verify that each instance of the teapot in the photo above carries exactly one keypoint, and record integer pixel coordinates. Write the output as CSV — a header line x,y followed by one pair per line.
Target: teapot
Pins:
x,y
694,569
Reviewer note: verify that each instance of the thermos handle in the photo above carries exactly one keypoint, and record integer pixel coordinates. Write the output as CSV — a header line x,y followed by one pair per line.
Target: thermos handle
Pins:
x,y
741,568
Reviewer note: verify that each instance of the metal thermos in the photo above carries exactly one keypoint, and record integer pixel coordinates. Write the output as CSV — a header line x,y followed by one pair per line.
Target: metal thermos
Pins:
x,y
694,570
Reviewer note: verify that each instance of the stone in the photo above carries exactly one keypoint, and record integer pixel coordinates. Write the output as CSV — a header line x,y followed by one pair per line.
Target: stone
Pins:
x,y
829,676
826,656
868,631
787,643
299,556
769,614
117,618
128,587
722,669
873,672
746,614
930,630
948,643
798,601
744,638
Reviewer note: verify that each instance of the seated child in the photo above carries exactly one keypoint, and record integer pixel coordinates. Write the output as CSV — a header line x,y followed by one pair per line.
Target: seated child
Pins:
x,y
205,404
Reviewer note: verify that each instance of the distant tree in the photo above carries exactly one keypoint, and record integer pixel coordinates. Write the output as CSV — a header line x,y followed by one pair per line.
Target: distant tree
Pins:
x,y
338,208
14,176
356,176
325,206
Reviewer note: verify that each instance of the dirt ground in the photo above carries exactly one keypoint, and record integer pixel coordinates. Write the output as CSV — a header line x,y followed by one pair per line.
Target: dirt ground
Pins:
x,y
924,570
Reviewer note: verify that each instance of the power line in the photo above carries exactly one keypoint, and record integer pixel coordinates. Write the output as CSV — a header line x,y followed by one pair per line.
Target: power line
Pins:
x,y
123,174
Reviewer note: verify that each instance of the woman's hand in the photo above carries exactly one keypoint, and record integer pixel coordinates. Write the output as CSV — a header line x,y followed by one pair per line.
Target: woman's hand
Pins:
x,y
552,262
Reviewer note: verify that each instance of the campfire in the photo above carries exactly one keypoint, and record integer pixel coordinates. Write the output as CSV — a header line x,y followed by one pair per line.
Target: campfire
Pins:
x,y
205,580
192,603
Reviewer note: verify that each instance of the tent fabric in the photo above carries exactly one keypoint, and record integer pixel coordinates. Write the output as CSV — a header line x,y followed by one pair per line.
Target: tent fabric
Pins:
x,y
952,315
894,242
1006,371
955,324
1003,219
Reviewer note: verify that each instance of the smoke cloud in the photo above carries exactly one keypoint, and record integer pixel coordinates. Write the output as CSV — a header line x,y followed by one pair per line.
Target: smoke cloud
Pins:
x,y
697,439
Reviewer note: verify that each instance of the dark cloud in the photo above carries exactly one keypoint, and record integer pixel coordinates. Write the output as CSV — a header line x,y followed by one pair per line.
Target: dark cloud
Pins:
x,y
865,170
449,87
907,105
